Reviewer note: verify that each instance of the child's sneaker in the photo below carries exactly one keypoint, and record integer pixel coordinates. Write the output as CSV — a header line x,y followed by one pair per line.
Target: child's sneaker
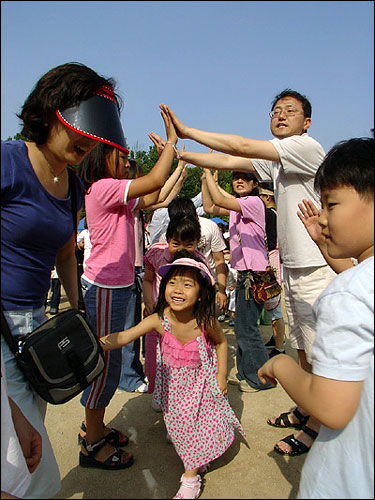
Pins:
x,y
221,318
190,487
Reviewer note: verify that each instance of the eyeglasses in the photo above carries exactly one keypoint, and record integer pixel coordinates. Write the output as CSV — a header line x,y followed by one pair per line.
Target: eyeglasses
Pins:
x,y
287,112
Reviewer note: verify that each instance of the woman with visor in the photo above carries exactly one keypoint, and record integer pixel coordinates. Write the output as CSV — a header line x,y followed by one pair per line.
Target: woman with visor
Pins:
x,y
69,111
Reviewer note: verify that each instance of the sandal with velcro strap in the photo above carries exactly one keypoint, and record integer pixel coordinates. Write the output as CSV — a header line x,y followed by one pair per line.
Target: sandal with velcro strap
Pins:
x,y
113,462
298,448
112,437
283,417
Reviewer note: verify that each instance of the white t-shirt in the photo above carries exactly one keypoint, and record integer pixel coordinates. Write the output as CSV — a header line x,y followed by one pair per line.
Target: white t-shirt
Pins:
x,y
85,236
15,476
293,180
340,463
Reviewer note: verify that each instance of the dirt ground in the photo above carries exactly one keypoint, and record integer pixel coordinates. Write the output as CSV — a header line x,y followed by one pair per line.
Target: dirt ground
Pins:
x,y
249,469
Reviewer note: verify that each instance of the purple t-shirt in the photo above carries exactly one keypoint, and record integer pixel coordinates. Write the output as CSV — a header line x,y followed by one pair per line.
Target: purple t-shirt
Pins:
x,y
34,226
246,235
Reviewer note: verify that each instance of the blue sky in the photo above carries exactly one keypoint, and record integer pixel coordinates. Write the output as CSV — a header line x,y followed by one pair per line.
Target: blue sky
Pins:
x,y
218,65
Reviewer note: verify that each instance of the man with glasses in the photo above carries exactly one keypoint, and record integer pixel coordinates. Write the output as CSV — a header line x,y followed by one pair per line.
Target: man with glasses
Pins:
x,y
290,162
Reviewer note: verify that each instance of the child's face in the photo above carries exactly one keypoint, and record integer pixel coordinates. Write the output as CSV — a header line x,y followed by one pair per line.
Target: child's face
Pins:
x,y
347,222
175,244
120,170
182,291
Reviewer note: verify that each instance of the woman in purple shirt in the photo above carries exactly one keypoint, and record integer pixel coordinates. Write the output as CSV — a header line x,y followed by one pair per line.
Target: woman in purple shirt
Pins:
x,y
62,122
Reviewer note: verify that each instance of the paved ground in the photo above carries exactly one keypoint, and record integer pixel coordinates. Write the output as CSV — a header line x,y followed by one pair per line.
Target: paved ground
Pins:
x,y
244,471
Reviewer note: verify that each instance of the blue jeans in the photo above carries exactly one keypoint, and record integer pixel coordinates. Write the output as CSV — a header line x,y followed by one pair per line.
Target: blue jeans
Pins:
x,y
132,374
251,353
45,480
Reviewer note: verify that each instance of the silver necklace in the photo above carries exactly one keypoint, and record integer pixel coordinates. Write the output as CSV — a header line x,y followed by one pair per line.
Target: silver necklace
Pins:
x,y
56,177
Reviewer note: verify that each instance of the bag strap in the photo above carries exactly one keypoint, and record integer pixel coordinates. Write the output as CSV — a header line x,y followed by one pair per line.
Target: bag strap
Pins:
x,y
73,196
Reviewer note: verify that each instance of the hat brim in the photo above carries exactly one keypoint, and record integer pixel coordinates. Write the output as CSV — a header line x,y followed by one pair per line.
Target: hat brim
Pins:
x,y
98,118
163,270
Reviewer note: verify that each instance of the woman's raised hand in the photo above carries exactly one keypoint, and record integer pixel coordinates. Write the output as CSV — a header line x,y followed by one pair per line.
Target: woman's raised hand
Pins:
x,y
181,129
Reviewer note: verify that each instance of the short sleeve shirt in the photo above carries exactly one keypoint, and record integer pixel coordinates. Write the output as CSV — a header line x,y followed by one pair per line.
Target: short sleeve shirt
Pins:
x,y
340,463
110,220
293,180
246,235
34,226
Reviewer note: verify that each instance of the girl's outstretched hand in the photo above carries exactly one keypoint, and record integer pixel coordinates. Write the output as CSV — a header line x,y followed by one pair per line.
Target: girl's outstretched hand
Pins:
x,y
222,382
169,127
309,215
181,129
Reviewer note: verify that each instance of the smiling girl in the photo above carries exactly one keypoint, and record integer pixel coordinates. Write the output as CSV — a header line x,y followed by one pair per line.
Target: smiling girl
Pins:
x,y
191,383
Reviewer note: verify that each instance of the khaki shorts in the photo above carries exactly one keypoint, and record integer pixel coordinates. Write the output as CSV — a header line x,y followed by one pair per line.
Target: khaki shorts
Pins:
x,y
302,286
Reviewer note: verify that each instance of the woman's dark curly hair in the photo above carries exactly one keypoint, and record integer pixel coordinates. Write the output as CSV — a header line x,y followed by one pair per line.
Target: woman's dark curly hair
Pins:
x,y
60,88
204,309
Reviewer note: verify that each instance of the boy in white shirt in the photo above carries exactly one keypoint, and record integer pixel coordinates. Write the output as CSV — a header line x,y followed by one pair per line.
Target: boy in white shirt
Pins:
x,y
340,390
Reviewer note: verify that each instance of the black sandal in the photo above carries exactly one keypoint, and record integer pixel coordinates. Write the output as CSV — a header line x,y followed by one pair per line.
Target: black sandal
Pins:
x,y
113,462
112,437
298,448
283,417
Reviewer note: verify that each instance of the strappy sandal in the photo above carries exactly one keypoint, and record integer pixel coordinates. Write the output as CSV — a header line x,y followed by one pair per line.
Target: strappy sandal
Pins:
x,y
112,438
298,448
284,418
190,487
113,462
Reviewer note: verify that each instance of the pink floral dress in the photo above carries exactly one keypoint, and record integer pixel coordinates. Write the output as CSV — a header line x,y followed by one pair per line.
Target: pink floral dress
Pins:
x,y
197,415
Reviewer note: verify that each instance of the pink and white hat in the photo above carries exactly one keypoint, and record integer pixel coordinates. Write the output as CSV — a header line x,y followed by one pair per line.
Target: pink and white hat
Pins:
x,y
203,269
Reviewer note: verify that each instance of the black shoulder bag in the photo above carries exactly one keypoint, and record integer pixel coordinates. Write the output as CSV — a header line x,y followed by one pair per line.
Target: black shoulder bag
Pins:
x,y
62,356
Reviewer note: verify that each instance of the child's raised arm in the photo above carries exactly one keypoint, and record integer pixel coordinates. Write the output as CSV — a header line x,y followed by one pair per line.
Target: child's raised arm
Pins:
x,y
217,335
119,339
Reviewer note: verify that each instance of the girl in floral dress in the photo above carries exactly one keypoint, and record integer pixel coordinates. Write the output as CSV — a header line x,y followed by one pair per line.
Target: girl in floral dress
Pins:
x,y
191,385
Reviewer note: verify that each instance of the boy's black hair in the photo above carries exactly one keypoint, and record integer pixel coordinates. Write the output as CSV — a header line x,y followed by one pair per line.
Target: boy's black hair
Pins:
x,y
204,309
181,206
93,166
184,227
60,88
306,105
348,163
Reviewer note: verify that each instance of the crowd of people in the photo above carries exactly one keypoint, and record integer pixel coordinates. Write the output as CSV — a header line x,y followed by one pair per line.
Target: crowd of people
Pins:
x,y
306,213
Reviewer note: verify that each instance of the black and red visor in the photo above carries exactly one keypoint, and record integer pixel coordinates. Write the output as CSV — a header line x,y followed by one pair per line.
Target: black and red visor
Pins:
x,y
96,117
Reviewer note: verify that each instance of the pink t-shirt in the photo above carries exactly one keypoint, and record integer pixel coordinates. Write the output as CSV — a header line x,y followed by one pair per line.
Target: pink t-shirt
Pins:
x,y
158,255
111,223
249,251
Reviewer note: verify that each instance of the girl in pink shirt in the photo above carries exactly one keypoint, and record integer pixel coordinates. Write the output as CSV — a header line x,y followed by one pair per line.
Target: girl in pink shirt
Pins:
x,y
247,223
110,201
